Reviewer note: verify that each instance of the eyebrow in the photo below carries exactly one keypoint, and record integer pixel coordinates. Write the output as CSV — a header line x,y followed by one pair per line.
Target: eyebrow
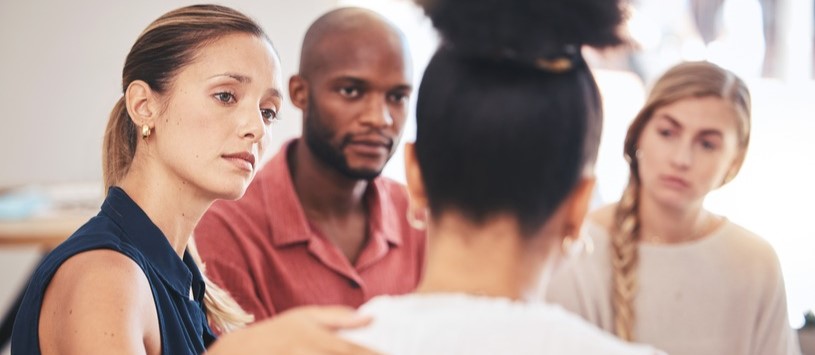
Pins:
x,y
243,79
352,79
358,81
670,119
403,87
704,132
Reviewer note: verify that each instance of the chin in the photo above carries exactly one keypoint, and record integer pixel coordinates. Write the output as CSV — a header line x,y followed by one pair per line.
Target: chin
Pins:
x,y
229,191
364,173
233,195
366,163
368,169
673,200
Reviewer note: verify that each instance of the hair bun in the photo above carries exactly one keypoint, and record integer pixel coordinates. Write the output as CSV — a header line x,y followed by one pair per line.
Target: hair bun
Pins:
x,y
527,30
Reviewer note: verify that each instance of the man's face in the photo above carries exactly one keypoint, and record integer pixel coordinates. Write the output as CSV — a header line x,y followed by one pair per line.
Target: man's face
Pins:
x,y
357,102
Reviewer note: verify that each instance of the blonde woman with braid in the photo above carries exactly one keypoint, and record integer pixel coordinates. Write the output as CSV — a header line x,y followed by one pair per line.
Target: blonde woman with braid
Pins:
x,y
665,271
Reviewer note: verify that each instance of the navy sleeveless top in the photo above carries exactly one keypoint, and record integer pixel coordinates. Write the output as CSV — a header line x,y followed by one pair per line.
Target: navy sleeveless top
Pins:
x,y
123,227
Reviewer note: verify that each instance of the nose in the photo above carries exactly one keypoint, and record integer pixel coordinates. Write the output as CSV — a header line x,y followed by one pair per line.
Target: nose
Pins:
x,y
682,156
253,126
377,113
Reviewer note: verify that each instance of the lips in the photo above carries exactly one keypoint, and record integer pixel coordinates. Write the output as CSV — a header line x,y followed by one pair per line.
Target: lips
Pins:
x,y
243,160
674,181
370,145
372,141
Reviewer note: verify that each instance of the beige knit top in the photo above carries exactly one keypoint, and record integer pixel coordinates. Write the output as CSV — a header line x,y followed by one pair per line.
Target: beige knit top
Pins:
x,y
721,294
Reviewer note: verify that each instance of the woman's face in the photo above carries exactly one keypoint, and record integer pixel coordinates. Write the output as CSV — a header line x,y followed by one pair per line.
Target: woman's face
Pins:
x,y
686,149
216,122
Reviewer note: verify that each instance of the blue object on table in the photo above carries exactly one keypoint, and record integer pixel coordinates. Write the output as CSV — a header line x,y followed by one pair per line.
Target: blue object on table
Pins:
x,y
22,203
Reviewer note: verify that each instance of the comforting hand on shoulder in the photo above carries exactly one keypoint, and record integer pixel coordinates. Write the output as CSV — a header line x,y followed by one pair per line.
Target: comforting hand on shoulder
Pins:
x,y
305,330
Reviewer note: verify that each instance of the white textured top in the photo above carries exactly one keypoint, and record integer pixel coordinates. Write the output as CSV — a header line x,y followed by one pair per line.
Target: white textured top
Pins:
x,y
449,324
722,294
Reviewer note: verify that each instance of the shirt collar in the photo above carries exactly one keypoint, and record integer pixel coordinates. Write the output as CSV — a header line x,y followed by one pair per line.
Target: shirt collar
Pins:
x,y
289,225
142,233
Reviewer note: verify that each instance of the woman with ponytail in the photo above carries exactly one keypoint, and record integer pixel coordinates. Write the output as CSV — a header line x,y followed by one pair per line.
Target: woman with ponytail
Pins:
x,y
665,271
508,126
201,87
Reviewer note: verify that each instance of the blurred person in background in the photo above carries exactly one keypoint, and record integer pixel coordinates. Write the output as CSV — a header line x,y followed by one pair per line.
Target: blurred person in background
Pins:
x,y
665,271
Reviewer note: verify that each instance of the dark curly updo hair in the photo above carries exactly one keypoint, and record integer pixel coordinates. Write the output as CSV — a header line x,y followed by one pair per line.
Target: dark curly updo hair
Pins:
x,y
508,114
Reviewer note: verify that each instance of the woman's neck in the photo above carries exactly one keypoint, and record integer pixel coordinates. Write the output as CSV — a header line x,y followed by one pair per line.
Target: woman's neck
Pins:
x,y
174,206
491,259
661,224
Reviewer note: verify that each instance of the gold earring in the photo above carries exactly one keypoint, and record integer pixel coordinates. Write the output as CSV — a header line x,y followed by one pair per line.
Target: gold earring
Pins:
x,y
413,221
145,131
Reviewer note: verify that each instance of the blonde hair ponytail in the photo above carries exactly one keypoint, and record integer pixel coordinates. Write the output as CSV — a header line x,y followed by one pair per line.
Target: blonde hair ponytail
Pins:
x,y
119,145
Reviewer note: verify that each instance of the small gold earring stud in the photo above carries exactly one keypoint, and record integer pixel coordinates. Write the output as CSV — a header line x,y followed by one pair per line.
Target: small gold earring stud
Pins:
x,y
145,131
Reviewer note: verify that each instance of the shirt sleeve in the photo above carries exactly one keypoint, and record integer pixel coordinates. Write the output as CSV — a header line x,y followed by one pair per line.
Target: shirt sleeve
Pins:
x,y
225,264
581,286
564,290
774,335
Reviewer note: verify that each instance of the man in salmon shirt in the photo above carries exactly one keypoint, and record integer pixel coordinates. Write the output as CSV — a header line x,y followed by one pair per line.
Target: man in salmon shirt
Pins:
x,y
318,225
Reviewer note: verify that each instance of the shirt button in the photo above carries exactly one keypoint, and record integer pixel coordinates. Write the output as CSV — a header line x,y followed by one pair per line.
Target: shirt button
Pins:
x,y
353,284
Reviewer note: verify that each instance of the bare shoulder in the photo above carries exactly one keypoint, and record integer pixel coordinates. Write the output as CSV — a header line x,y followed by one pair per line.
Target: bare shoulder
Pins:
x,y
603,216
98,300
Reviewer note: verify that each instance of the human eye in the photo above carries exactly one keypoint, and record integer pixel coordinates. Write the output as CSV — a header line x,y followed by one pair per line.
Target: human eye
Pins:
x,y
398,97
269,115
709,145
666,132
225,97
350,92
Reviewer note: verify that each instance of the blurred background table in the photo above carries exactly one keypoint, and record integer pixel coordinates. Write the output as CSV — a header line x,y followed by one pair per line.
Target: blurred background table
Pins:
x,y
45,231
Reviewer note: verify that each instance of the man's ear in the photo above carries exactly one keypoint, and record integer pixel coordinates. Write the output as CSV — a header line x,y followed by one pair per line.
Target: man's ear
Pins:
x,y
141,103
298,91
413,174
577,207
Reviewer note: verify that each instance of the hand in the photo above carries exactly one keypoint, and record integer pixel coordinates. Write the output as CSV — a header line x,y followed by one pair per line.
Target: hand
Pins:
x,y
301,331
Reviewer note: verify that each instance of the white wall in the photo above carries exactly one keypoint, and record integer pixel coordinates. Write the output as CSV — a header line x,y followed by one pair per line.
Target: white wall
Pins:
x,y
60,73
